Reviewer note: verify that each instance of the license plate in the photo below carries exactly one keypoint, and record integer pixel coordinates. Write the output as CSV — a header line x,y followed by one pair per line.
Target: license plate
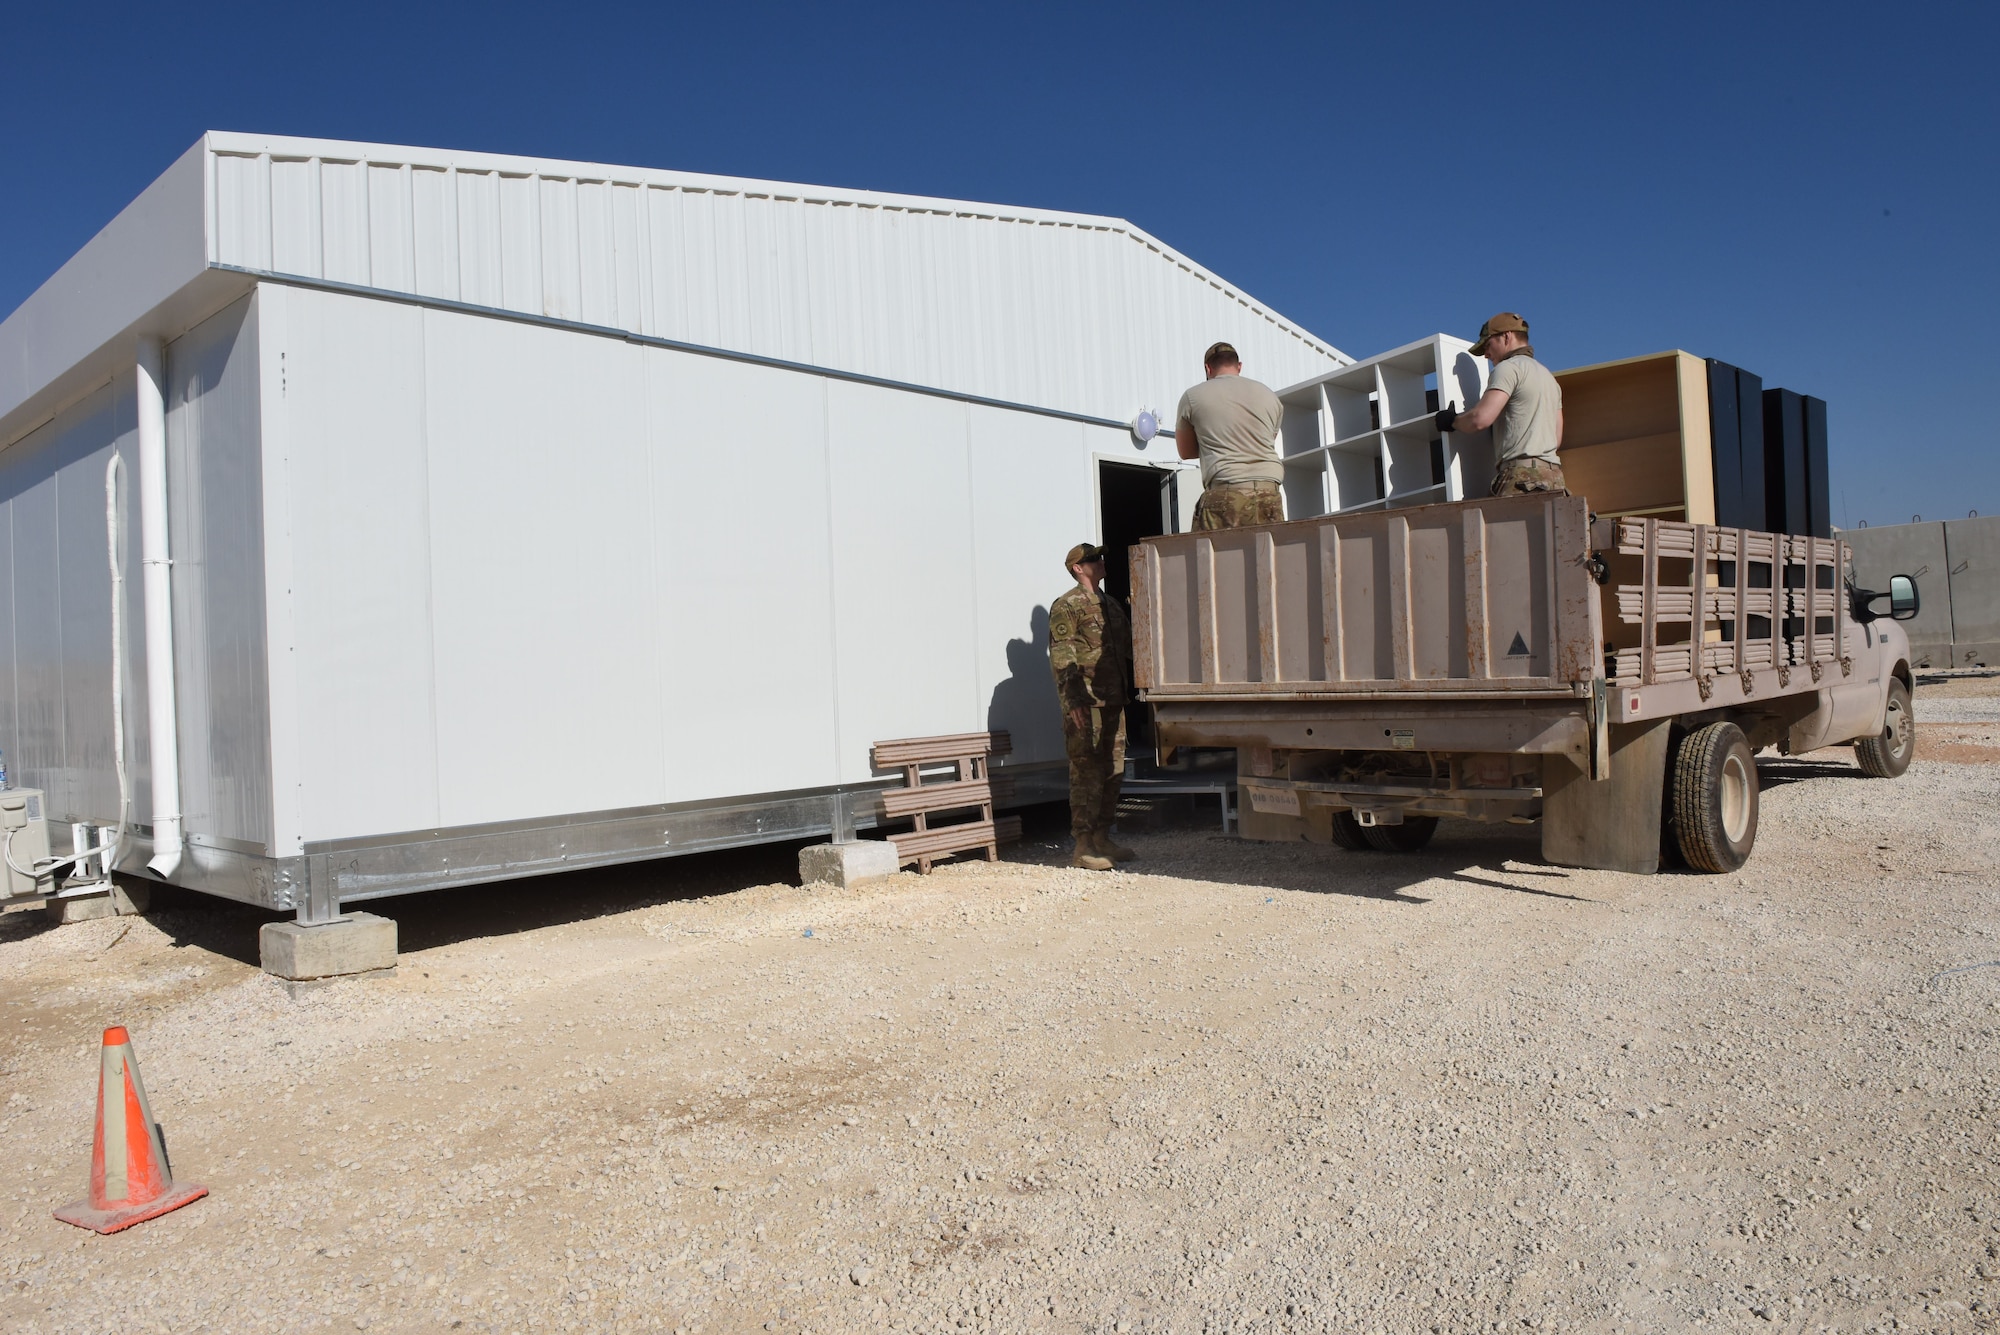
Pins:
x,y
1275,801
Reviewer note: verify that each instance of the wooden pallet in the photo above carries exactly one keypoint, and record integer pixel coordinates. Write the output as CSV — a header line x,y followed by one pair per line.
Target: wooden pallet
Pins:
x,y
971,786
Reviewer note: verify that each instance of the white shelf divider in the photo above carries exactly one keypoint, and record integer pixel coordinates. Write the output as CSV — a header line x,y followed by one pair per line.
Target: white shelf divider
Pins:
x,y
1361,437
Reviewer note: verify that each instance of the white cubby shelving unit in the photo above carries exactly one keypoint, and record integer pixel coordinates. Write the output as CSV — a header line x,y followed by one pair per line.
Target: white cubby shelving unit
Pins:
x,y
1362,437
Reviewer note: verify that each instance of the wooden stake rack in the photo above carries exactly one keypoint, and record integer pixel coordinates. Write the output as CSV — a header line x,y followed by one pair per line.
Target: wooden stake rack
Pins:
x,y
1750,601
970,787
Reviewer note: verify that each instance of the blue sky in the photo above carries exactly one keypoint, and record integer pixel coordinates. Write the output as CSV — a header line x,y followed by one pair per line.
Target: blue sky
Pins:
x,y
1809,191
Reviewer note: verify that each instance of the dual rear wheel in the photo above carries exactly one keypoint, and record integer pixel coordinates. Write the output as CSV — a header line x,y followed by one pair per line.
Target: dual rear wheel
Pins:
x,y
1411,835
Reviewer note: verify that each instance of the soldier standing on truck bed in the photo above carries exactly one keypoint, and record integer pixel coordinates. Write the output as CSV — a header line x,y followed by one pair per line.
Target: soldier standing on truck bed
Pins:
x,y
1523,403
1231,422
1090,652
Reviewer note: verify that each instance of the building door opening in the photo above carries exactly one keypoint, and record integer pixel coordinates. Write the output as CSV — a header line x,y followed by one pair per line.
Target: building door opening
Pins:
x,y
1134,502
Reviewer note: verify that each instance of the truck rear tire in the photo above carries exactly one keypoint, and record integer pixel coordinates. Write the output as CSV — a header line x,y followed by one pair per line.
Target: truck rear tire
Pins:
x,y
1888,755
1348,833
1714,778
1411,835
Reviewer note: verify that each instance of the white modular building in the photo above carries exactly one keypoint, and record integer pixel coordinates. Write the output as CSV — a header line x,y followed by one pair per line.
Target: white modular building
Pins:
x,y
511,515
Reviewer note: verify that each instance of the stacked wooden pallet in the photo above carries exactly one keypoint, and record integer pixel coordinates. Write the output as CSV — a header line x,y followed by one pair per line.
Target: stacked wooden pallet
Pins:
x,y
968,786
1750,601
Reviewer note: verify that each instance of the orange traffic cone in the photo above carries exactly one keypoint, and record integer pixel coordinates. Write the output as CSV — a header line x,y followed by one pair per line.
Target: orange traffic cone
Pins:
x,y
130,1181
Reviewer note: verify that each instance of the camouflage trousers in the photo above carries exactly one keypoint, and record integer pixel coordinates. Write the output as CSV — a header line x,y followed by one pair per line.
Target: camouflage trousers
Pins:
x,y
1527,474
1238,505
1096,768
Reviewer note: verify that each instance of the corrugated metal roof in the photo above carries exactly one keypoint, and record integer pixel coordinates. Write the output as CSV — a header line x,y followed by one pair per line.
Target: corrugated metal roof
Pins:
x,y
1057,310
1060,310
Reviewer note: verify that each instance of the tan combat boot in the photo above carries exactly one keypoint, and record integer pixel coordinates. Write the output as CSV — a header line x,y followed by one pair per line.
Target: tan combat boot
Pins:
x,y
1087,856
1101,841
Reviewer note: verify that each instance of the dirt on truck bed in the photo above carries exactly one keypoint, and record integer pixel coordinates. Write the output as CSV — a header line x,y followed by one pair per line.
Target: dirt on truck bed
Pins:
x,y
1239,1087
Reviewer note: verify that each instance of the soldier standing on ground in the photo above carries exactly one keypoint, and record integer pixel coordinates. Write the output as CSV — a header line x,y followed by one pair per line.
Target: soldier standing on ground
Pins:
x,y
1231,422
1090,651
1524,405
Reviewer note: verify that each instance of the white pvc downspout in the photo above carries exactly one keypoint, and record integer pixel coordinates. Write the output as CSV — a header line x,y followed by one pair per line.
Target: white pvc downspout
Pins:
x,y
162,715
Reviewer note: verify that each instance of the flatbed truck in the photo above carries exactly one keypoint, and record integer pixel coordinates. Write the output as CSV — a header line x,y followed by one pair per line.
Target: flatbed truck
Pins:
x,y
1517,659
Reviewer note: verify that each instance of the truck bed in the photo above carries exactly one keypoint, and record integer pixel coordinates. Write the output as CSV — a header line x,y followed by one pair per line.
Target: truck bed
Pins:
x,y
1486,598
1505,598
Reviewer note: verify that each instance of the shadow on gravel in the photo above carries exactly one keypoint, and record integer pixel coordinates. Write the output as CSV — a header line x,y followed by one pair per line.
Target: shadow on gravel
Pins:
x,y
1522,889
466,913
507,908
1319,869
1776,772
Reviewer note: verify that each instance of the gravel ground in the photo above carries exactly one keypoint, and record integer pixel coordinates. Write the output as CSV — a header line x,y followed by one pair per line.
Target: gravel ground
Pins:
x,y
1240,1087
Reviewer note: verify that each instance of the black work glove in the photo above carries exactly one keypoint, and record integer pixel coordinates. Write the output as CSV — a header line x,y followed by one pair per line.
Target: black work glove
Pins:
x,y
1445,417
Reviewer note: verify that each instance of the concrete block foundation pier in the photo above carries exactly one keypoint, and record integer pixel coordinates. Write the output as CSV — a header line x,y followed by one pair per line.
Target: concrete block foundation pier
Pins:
x,y
302,956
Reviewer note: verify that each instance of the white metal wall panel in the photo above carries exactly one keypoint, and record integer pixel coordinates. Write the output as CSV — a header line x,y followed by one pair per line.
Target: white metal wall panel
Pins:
x,y
348,434
542,570
10,725
546,602
480,256
150,254
632,274
55,610
1031,502
243,201
344,225
36,748
521,244
904,593
1064,311
391,230
216,507
563,259
434,204
84,583
295,214
745,607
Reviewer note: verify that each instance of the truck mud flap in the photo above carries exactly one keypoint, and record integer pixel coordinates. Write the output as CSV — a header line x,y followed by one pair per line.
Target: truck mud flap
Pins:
x,y
1612,824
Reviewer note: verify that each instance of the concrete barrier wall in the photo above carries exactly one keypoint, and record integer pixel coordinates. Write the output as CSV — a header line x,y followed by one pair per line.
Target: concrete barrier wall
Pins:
x,y
1956,564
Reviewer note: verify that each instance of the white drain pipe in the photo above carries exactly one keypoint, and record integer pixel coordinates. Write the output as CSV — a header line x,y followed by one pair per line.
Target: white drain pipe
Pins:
x,y
162,715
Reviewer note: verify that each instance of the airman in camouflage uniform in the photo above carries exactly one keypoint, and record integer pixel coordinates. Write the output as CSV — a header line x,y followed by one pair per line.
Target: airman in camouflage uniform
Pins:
x,y
1090,652
1241,506
1512,477
1523,405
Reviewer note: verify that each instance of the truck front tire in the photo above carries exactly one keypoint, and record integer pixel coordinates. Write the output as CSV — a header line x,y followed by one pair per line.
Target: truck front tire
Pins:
x,y
1714,779
1886,756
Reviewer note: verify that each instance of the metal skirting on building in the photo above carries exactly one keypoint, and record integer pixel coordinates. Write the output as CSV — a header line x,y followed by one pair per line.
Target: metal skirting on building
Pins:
x,y
345,871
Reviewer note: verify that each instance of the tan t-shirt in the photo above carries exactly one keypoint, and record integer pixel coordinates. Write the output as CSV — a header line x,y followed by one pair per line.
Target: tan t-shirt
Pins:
x,y
1236,421
1529,426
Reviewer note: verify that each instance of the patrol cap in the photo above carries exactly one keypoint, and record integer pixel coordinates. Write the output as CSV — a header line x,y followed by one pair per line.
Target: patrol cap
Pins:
x,y
1082,552
1506,322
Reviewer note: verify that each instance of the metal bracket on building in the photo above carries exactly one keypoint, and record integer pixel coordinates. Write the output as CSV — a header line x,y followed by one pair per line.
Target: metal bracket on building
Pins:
x,y
319,904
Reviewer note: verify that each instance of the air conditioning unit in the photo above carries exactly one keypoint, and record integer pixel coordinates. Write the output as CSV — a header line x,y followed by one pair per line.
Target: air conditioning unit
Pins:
x,y
25,832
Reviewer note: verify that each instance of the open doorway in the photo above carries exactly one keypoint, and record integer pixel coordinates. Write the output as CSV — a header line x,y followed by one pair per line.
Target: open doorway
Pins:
x,y
1132,503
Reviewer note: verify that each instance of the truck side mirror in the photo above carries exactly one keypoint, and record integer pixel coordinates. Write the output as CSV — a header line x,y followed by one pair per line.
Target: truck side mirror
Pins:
x,y
1902,596
1903,600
